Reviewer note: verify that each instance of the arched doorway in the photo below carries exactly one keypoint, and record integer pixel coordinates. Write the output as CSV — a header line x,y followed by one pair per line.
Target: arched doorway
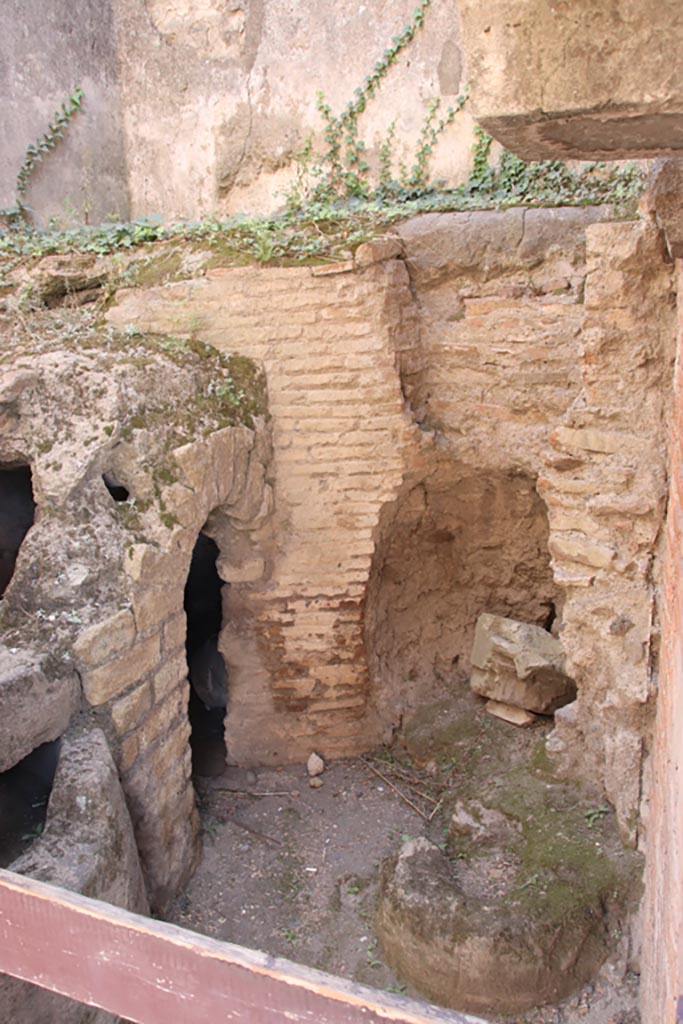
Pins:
x,y
207,672
456,542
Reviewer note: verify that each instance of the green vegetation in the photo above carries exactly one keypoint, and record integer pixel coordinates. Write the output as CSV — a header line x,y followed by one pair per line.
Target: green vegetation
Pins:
x,y
337,200
41,148
570,862
332,229
342,170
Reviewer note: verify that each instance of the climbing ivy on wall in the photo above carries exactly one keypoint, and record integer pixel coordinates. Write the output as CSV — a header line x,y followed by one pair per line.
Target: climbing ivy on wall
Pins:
x,y
41,148
338,200
341,170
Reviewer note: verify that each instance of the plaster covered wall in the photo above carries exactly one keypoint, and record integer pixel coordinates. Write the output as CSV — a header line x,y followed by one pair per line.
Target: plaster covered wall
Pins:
x,y
243,78
199,108
46,50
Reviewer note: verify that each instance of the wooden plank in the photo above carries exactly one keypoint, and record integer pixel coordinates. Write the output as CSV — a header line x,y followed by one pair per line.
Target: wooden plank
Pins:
x,y
151,972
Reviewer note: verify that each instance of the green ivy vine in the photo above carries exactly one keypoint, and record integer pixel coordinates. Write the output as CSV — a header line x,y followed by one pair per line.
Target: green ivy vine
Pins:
x,y
42,146
342,171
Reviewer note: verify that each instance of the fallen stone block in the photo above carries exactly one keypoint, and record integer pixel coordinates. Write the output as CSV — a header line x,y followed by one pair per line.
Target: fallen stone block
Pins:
x,y
510,713
519,664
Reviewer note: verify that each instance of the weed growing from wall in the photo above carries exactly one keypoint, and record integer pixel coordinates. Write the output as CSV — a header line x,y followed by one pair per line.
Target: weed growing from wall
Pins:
x,y
342,171
41,148
328,226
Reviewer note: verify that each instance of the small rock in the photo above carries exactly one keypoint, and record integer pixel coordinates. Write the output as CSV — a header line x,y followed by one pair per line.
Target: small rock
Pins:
x,y
251,777
315,765
315,783
295,792
509,713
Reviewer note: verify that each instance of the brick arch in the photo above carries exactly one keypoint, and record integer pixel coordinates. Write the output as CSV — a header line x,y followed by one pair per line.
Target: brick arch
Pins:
x,y
456,542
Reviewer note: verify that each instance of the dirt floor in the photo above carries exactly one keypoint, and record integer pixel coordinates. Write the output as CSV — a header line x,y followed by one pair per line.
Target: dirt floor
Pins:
x,y
292,870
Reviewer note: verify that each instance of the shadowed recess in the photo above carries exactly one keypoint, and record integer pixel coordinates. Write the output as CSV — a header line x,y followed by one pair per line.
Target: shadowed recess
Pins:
x,y
17,511
207,672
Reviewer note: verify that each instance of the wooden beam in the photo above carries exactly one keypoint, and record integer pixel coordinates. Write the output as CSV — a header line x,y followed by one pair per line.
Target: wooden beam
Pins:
x,y
152,973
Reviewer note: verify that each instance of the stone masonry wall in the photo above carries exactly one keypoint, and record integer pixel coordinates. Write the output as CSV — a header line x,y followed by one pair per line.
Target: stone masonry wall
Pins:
x,y
663,923
93,619
605,488
133,664
484,345
384,382
88,847
484,331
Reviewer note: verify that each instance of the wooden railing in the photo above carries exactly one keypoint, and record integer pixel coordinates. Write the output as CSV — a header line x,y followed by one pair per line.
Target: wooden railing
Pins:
x,y
155,973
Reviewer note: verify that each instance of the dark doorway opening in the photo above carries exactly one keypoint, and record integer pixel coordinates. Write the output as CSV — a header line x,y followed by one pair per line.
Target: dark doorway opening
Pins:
x,y
24,793
206,668
17,512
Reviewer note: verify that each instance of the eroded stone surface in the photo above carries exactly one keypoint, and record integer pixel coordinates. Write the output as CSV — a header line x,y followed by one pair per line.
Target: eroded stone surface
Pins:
x,y
519,664
88,847
516,910
586,80
36,705
98,584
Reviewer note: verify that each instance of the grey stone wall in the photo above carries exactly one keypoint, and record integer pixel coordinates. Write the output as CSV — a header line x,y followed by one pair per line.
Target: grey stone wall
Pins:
x,y
46,48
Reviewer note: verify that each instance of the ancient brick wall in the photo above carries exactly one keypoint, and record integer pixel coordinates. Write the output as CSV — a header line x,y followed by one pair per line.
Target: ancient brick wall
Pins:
x,y
293,638
468,417
505,345
133,663
663,923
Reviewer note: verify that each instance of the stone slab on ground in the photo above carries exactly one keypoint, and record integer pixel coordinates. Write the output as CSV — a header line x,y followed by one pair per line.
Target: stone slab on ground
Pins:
x,y
87,847
510,713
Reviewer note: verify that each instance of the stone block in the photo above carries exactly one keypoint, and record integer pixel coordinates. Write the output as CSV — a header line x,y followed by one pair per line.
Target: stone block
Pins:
x,y
580,549
127,712
106,682
34,707
665,199
388,247
152,606
248,571
130,748
583,80
509,713
172,674
87,847
101,642
519,664
174,633
163,719
588,439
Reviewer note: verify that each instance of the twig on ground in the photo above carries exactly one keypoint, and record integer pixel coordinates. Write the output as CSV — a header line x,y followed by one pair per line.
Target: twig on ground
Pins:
x,y
259,835
436,808
252,792
395,789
